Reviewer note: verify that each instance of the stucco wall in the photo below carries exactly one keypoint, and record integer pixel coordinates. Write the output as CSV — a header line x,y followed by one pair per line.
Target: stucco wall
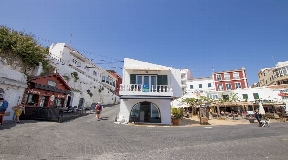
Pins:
x,y
164,106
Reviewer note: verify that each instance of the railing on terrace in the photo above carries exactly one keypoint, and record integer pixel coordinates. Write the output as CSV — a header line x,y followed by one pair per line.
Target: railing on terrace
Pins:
x,y
146,88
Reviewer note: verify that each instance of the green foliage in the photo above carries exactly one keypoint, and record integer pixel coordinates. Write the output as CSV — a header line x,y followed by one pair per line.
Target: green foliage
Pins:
x,y
198,101
75,75
229,98
67,78
99,90
90,94
176,113
24,46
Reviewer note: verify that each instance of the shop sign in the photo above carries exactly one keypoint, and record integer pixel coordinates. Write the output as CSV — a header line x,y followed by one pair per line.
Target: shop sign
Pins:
x,y
33,92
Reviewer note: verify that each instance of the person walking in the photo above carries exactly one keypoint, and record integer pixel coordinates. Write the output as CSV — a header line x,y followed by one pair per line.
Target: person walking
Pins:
x,y
18,111
3,104
3,107
98,109
258,117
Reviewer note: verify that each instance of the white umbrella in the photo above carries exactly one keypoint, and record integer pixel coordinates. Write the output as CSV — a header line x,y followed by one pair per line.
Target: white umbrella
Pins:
x,y
261,108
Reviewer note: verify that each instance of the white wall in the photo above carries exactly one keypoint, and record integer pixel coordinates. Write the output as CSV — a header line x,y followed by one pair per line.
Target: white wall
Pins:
x,y
174,75
13,83
61,58
196,83
164,106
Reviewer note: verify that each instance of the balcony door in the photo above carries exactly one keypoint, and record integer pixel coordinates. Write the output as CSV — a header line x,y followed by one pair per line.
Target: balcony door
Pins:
x,y
148,82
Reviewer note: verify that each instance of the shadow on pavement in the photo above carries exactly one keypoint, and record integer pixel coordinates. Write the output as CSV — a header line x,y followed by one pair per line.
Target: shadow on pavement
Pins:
x,y
8,124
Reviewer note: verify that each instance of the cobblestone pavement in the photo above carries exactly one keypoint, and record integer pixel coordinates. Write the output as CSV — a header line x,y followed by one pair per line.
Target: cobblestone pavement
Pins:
x,y
88,139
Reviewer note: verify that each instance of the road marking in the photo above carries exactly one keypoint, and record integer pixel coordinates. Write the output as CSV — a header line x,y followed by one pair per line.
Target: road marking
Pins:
x,y
150,126
207,127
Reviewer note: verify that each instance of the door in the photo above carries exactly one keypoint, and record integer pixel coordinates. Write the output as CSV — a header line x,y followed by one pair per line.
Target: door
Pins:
x,y
145,111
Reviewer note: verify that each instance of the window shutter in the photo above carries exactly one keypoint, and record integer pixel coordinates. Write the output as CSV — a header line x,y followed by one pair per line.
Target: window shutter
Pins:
x,y
162,80
132,78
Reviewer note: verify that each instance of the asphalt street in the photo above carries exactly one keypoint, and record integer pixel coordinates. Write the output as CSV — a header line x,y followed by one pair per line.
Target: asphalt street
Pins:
x,y
88,139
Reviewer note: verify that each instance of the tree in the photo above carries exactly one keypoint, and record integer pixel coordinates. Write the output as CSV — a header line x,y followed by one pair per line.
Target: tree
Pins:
x,y
19,46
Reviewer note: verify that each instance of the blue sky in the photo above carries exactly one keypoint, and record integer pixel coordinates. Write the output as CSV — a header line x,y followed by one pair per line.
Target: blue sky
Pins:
x,y
194,34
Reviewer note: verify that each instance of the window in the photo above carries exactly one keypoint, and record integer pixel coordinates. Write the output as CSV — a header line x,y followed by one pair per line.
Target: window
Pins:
x,y
245,96
228,86
218,77
200,85
236,75
226,76
51,83
209,85
94,73
215,96
31,99
256,95
220,87
103,78
191,86
237,85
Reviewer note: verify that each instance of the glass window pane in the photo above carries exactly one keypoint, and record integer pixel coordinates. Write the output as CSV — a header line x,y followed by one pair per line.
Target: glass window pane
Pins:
x,y
154,111
139,80
146,80
136,110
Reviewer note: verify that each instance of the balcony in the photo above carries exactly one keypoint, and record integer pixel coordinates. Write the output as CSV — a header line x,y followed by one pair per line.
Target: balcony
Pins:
x,y
151,90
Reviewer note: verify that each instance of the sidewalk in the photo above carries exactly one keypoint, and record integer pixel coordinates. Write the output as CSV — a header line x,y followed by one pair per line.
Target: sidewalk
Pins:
x,y
194,121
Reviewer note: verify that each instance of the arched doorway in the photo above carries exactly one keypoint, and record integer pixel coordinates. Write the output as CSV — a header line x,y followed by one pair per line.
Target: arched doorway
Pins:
x,y
146,112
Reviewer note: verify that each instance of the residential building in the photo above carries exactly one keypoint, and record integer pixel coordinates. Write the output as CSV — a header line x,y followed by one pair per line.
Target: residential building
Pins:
x,y
186,74
12,85
89,82
146,92
118,81
265,77
198,86
230,79
280,73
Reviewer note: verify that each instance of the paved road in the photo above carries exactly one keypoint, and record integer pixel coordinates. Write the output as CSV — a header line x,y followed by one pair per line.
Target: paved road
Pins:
x,y
86,138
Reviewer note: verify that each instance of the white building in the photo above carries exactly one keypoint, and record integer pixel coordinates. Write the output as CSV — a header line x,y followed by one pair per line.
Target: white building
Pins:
x,y
146,92
255,94
186,74
89,82
12,85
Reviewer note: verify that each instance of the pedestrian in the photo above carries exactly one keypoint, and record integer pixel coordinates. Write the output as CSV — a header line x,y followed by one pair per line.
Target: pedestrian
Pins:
x,y
98,110
3,104
258,117
18,111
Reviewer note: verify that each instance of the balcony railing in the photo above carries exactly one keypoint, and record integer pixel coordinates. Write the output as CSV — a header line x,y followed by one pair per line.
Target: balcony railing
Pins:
x,y
146,88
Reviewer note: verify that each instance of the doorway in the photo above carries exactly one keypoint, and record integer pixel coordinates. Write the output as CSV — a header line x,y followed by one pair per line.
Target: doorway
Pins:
x,y
146,112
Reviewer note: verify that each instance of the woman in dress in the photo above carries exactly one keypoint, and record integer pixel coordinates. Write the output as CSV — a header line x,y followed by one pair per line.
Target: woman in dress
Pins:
x,y
18,111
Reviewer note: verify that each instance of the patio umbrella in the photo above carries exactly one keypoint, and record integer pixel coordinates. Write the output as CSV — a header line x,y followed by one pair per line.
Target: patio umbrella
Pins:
x,y
261,108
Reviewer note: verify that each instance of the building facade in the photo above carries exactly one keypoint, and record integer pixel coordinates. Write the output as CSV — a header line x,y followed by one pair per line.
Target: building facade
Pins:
x,y
186,74
230,79
118,81
89,82
146,92
280,73
265,77
12,86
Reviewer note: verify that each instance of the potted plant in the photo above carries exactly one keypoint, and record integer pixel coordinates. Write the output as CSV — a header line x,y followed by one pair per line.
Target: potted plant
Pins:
x,y
176,116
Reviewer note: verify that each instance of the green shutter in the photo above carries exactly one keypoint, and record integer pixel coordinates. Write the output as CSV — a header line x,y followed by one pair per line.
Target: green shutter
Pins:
x,y
245,96
162,80
132,78
256,95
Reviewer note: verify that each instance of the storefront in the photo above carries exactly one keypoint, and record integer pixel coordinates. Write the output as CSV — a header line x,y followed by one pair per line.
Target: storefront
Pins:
x,y
44,96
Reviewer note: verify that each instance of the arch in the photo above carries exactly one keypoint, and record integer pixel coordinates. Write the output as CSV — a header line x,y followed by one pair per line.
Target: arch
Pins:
x,y
145,112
